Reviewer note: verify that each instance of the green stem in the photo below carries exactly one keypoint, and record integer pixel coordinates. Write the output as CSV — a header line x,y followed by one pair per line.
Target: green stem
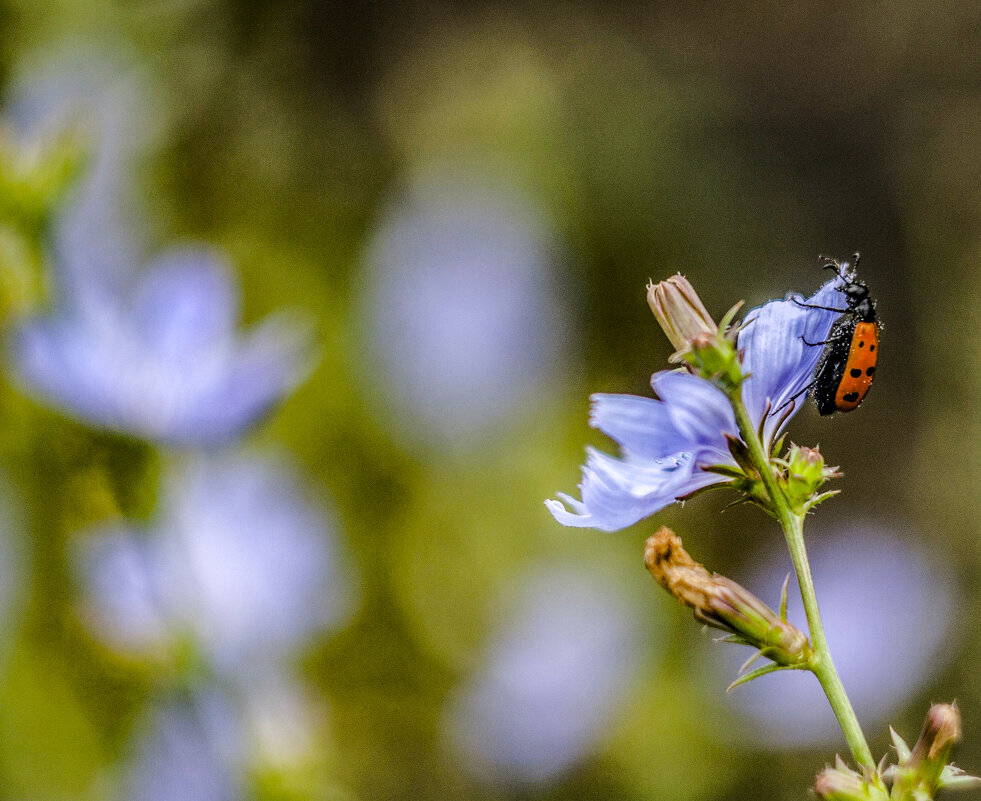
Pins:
x,y
792,523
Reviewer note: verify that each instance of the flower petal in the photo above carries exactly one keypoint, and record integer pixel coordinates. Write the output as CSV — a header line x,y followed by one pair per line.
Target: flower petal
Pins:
x,y
617,493
54,361
267,364
253,567
699,411
780,364
185,301
165,362
642,426
126,604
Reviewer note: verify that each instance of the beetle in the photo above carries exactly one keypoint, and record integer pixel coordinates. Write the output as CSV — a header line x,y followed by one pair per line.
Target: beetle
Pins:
x,y
845,371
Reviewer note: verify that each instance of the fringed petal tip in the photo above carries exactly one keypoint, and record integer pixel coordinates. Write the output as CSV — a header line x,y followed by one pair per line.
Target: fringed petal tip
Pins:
x,y
577,517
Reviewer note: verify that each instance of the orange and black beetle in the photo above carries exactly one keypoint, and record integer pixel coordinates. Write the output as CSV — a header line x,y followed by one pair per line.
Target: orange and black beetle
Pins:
x,y
847,366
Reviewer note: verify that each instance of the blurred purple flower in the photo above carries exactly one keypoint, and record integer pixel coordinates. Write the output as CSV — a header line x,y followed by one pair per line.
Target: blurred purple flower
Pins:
x,y
161,359
465,326
887,611
239,560
205,743
99,232
191,749
554,679
666,442
281,718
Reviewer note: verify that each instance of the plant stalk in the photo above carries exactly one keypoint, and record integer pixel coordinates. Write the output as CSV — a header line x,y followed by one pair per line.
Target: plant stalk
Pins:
x,y
821,664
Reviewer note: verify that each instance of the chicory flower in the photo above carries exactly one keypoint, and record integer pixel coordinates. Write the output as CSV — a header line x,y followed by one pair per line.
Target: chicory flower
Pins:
x,y
238,562
161,359
668,442
190,749
555,677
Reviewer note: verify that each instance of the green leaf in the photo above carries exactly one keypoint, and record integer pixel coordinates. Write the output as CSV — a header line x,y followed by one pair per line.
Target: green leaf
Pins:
x,y
741,454
734,638
725,470
820,498
783,597
737,502
902,749
953,778
750,661
762,671
730,316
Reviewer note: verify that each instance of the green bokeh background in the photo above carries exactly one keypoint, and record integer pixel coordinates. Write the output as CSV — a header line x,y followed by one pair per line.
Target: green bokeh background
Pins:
x,y
730,142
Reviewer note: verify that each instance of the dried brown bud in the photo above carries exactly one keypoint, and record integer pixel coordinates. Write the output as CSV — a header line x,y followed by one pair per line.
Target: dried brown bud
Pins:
x,y
722,603
673,568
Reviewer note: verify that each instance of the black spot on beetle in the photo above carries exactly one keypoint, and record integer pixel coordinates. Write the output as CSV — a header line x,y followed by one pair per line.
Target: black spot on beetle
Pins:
x,y
851,397
861,343
855,372
871,348
870,371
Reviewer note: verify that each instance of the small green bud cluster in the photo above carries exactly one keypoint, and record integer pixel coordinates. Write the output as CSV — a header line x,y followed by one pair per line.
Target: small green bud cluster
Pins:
x,y
920,772
708,348
923,770
804,474
841,783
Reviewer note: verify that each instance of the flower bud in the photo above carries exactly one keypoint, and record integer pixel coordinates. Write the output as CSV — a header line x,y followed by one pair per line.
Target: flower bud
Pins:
x,y
33,181
843,784
697,338
924,769
941,730
722,603
680,311
806,473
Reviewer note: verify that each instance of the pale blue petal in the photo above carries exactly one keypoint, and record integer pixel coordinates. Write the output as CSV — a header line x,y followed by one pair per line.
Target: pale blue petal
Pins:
x,y
555,678
125,604
185,301
642,426
192,749
266,366
164,362
254,566
617,493
700,412
59,362
775,356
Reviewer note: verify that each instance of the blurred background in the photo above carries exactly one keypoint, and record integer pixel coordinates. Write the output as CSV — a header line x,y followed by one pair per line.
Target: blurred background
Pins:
x,y
295,358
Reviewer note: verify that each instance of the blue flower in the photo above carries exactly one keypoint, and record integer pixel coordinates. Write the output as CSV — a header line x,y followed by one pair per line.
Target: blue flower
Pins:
x,y
204,742
102,227
666,442
556,675
239,562
161,359
191,749
464,328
